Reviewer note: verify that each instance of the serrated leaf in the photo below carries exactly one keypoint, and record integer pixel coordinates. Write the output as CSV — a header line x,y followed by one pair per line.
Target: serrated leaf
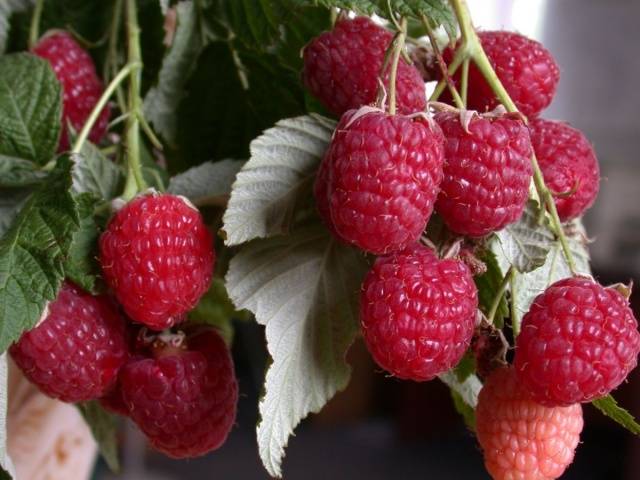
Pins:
x,y
269,187
303,288
207,183
468,390
526,242
488,285
104,427
6,466
608,406
11,201
154,175
163,99
8,7
81,264
30,108
32,253
17,172
466,366
94,173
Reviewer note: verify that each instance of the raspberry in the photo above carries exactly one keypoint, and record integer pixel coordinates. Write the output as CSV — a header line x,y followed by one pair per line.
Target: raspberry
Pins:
x,y
520,438
75,353
81,86
578,342
527,70
157,255
342,67
487,172
383,176
184,400
569,166
418,312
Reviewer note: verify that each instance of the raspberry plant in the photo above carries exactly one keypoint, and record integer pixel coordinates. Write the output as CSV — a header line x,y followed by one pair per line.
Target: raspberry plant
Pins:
x,y
133,131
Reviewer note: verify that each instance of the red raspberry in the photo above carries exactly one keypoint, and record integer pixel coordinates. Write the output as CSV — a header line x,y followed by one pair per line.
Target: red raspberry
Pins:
x,y
578,342
157,255
81,86
383,177
487,172
183,400
527,70
569,166
74,355
418,313
520,438
342,67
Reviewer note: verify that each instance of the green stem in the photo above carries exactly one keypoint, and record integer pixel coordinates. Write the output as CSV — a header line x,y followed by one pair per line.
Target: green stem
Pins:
x,y
458,58
515,318
464,82
394,65
111,65
97,109
135,182
34,28
499,294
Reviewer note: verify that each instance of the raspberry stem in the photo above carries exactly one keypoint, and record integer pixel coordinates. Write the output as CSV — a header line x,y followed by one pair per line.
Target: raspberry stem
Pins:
x,y
135,182
464,82
34,27
499,294
515,318
111,64
97,109
397,51
472,48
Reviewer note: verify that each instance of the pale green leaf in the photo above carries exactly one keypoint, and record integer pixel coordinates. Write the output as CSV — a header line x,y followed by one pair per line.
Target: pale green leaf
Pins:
x,y
30,108
94,173
209,183
304,289
277,178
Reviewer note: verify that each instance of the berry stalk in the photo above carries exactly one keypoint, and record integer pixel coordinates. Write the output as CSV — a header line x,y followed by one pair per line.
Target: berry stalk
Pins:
x,y
393,74
34,27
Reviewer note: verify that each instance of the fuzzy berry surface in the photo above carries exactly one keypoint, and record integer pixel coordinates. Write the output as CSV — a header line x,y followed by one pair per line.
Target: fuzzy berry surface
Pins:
x,y
341,68
184,402
578,342
521,439
526,69
81,86
157,256
383,174
418,312
75,353
569,166
487,172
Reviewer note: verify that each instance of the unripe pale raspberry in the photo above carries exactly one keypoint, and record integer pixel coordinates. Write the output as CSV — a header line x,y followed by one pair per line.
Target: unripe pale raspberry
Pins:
x,y
81,86
383,174
521,439
569,166
157,255
578,342
184,401
527,70
75,354
418,313
341,68
487,172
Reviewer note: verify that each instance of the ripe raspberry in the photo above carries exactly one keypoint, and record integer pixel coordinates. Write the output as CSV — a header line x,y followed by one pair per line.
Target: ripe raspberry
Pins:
x,y
418,312
487,172
184,400
157,255
520,438
578,342
569,165
342,67
383,176
74,355
81,86
527,70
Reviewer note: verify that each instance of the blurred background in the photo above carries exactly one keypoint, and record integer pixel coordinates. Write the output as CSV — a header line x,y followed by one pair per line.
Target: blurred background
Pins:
x,y
381,428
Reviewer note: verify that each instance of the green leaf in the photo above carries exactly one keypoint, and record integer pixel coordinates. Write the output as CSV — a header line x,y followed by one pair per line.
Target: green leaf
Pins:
x,y
30,108
468,390
526,243
466,366
7,469
7,7
17,172
104,427
163,99
94,173
611,409
11,201
32,253
277,178
81,265
468,414
303,288
209,183
155,176
488,285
